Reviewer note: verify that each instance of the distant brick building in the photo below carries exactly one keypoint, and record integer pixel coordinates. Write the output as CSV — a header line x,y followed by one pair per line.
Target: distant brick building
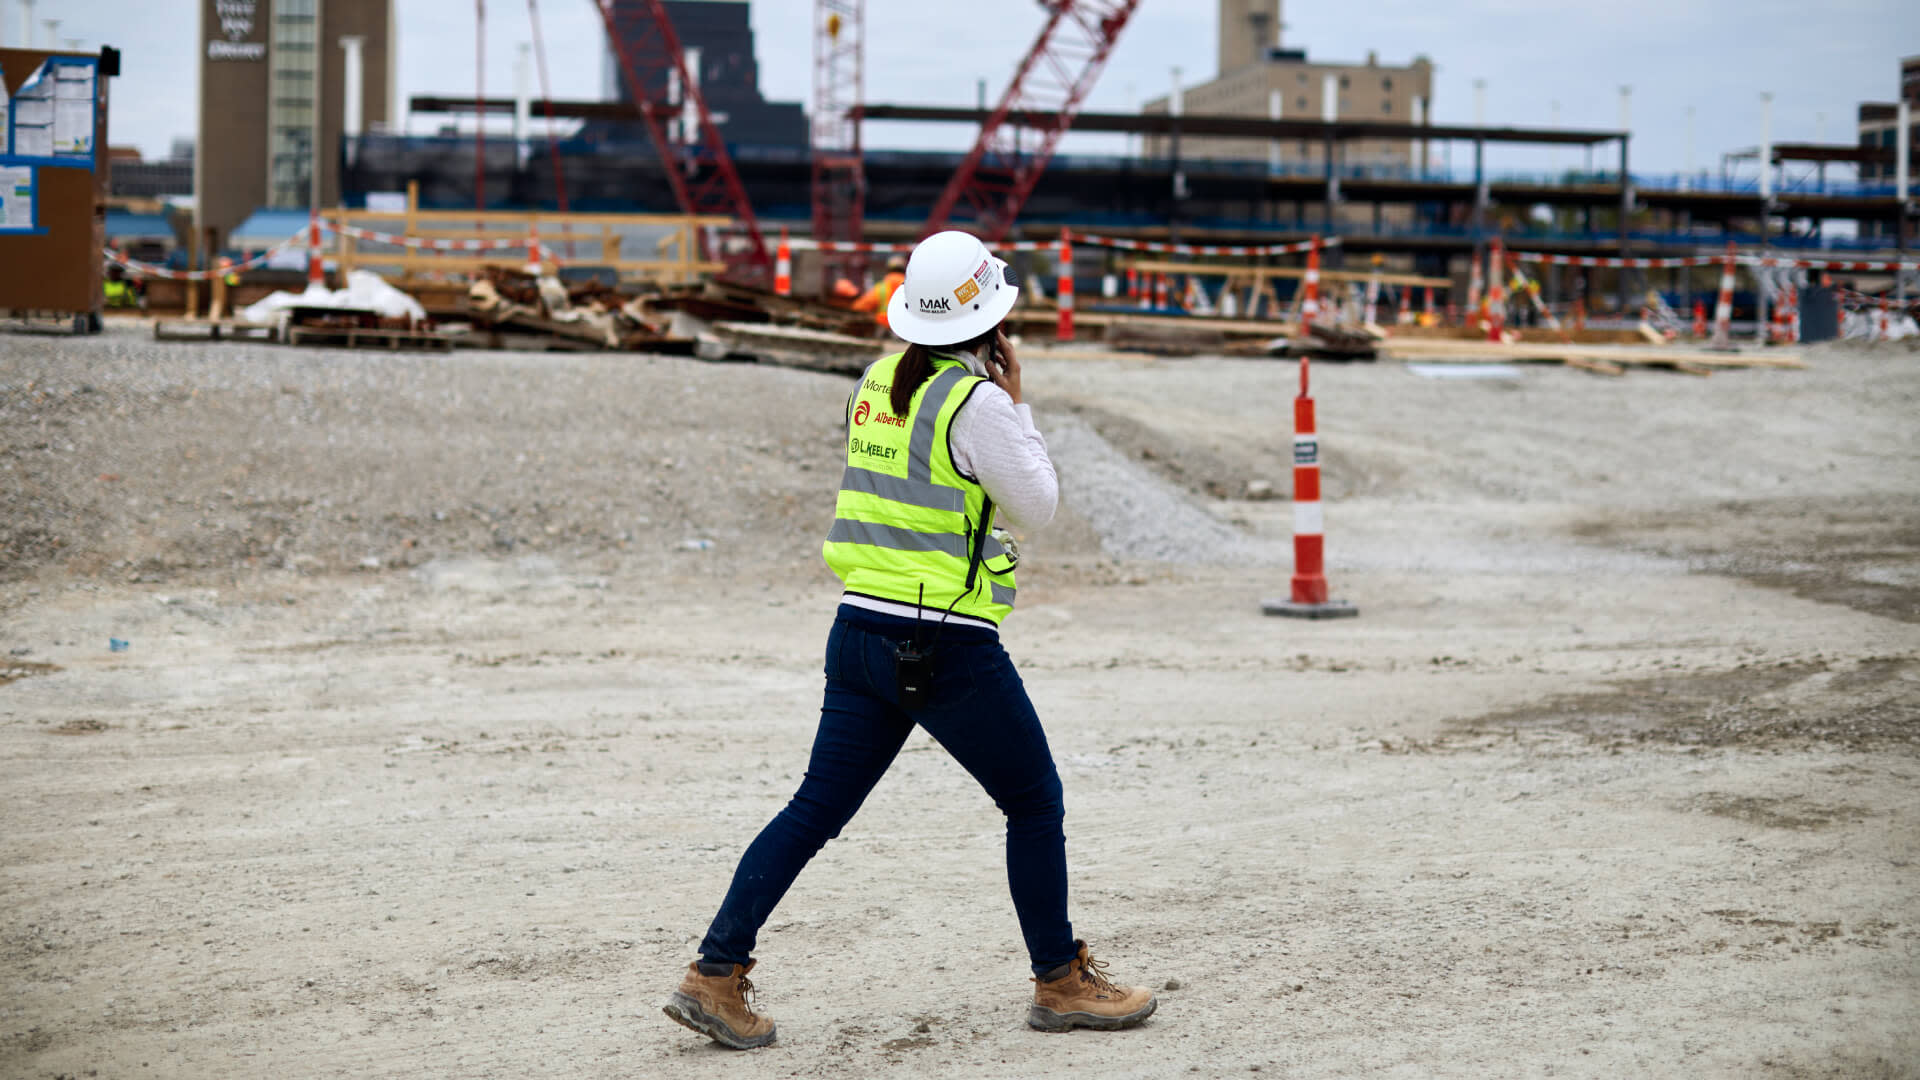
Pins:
x,y
1254,66
1878,121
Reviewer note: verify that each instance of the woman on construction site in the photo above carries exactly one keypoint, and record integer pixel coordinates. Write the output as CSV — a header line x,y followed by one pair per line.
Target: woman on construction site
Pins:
x,y
939,445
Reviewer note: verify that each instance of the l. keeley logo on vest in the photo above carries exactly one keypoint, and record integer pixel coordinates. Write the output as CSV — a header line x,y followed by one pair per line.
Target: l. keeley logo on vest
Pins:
x,y
236,22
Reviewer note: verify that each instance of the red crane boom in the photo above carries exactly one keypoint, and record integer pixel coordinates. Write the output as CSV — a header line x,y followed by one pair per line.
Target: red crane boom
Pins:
x,y
1055,77
700,170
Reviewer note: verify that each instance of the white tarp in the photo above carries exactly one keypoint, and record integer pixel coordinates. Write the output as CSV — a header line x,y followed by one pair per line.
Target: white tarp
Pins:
x,y
365,289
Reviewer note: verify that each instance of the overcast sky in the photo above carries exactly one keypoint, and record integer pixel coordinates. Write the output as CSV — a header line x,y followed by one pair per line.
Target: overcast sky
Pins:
x,y
1715,55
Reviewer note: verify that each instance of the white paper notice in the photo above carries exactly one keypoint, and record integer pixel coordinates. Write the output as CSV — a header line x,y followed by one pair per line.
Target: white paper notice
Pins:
x,y
33,116
73,82
73,128
32,140
16,198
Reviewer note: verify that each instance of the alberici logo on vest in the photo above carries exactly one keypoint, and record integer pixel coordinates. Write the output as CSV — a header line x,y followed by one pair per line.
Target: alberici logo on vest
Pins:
x,y
860,413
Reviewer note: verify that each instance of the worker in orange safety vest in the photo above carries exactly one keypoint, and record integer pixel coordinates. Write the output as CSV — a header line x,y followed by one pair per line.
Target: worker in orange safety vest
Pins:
x,y
876,298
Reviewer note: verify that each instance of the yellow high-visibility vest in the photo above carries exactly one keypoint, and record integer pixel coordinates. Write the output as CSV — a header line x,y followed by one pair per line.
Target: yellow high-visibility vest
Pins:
x,y
906,517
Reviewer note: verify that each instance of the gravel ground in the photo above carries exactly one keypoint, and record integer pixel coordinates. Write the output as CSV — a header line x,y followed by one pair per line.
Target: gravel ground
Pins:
x,y
453,686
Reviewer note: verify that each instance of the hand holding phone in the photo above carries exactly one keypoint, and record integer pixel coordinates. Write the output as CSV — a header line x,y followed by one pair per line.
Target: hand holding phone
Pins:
x,y
1002,366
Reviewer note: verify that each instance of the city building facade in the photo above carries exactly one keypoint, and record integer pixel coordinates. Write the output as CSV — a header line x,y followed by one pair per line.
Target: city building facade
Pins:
x,y
259,63
1879,123
1255,68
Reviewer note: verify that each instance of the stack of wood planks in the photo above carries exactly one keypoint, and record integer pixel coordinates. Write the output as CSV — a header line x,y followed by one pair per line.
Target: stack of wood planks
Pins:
x,y
1599,359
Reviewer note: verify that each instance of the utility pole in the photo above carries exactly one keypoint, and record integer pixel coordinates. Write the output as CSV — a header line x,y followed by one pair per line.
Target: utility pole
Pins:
x,y
314,152
1175,104
1766,209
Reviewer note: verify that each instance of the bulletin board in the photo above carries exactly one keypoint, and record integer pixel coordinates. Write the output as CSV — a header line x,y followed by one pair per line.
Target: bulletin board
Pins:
x,y
53,180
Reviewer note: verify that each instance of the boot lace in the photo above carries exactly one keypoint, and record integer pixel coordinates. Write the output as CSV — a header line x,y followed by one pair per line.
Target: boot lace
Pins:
x,y
747,993
1094,973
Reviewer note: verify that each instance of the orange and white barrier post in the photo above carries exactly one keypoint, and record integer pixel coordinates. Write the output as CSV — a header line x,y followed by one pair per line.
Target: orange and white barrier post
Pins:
x,y
1496,294
1723,308
783,266
1310,298
1474,287
533,247
1308,597
1065,330
1373,294
316,272
1160,287
1426,307
1133,284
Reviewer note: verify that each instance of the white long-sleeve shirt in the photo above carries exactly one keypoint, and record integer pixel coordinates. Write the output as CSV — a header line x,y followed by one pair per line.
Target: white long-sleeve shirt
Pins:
x,y
994,441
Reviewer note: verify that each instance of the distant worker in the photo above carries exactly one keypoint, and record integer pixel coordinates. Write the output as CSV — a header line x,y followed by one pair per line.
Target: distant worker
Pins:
x,y
119,292
878,298
938,444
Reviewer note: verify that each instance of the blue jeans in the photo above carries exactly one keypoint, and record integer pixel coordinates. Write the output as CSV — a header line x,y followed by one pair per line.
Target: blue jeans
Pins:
x,y
979,712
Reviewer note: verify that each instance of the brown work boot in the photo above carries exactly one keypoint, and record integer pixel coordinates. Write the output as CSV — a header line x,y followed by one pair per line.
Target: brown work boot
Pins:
x,y
716,1006
1080,995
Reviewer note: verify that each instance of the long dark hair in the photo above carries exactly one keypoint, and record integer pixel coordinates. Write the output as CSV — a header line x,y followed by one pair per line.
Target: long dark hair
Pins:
x,y
916,367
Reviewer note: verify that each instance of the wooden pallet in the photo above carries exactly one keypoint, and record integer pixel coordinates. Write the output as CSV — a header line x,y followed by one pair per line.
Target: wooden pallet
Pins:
x,y
212,330
356,337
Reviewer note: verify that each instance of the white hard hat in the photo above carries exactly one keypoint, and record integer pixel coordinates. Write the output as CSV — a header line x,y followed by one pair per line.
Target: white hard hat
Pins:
x,y
955,290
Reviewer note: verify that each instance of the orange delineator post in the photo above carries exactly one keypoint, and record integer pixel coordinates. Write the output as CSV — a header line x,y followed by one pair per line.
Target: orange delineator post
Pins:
x,y
1133,284
1064,332
1474,288
783,267
316,272
1699,319
1496,293
533,247
1160,286
1723,308
1309,299
1308,597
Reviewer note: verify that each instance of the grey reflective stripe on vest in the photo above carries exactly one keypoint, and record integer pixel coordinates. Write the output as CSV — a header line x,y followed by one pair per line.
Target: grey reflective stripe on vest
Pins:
x,y
901,490
1001,594
848,531
920,447
993,548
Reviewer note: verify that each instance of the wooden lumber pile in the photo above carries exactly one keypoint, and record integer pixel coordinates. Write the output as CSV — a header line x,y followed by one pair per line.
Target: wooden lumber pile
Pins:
x,y
510,307
1599,359
789,346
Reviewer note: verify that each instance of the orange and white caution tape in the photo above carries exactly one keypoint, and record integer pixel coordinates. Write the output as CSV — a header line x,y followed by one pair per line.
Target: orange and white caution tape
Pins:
x,y
1672,261
149,270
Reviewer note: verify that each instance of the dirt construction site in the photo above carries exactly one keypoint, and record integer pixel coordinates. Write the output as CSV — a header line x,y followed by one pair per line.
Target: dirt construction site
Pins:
x,y
388,714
